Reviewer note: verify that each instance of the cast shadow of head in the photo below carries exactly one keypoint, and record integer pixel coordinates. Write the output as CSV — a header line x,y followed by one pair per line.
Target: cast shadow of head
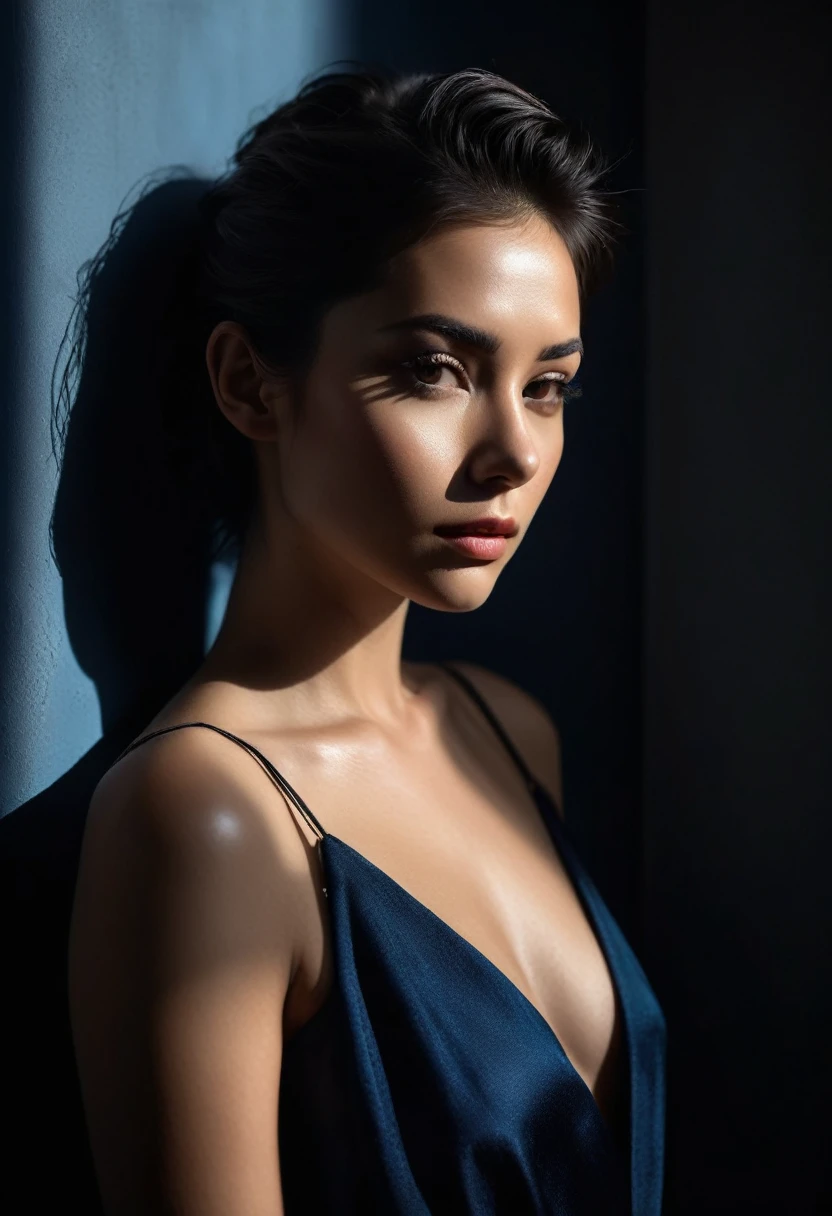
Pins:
x,y
135,588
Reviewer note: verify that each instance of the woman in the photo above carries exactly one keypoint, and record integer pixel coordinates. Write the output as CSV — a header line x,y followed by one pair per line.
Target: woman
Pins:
x,y
332,950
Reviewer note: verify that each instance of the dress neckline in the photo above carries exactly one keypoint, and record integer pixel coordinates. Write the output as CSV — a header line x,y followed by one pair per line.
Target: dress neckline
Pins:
x,y
551,820
577,877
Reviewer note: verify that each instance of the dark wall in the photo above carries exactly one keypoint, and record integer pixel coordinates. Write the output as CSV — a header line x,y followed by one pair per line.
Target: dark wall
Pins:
x,y
738,732
671,604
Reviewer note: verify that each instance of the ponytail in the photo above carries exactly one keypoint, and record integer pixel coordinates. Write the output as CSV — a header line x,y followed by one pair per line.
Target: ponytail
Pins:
x,y
319,195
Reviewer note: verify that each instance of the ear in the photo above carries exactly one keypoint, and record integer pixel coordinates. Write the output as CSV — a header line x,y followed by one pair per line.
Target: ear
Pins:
x,y
245,392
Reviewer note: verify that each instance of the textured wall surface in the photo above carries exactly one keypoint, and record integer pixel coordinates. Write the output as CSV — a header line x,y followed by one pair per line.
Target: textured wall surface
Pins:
x,y
106,93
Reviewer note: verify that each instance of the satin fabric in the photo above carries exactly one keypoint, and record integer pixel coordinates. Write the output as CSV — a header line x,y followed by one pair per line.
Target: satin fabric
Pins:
x,y
428,1084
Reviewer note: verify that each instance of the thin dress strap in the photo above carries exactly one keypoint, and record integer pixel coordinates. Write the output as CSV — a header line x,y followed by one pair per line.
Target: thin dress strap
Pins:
x,y
528,775
278,777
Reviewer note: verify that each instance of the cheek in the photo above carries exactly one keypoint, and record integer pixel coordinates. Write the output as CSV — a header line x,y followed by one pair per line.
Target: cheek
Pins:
x,y
419,449
554,447
549,440
367,470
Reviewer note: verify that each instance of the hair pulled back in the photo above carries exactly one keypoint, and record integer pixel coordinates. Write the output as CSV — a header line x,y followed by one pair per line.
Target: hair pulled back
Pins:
x,y
319,195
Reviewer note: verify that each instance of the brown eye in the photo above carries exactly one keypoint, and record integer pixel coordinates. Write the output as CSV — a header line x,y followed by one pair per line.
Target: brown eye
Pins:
x,y
552,391
548,391
424,373
430,373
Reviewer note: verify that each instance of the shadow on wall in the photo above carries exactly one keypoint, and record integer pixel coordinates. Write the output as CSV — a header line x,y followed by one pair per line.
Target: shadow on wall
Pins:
x,y
135,580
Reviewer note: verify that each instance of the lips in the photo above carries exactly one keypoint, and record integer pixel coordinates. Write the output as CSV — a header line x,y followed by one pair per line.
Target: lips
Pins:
x,y
490,526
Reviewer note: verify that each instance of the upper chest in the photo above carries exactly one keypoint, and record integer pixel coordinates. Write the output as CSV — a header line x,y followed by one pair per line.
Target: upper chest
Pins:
x,y
470,845
445,813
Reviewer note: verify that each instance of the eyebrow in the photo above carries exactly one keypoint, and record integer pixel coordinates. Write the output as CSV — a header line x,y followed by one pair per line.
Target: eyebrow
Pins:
x,y
471,335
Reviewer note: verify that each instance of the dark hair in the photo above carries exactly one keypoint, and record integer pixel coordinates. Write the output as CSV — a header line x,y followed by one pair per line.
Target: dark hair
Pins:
x,y
320,194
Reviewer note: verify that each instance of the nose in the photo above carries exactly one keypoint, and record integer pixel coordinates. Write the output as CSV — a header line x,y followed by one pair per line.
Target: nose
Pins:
x,y
504,446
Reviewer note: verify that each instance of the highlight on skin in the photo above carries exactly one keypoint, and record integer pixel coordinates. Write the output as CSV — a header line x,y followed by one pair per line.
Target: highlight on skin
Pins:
x,y
451,411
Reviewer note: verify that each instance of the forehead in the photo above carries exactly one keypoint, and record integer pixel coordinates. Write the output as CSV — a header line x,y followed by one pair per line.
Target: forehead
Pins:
x,y
515,280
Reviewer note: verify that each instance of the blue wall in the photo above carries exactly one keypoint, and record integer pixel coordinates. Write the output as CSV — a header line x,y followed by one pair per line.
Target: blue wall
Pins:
x,y
105,93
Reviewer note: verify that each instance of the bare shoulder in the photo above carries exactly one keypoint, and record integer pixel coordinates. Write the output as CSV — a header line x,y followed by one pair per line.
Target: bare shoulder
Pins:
x,y
189,828
182,947
528,723
193,794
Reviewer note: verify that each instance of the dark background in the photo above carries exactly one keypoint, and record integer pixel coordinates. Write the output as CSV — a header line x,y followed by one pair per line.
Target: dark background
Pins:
x,y
671,604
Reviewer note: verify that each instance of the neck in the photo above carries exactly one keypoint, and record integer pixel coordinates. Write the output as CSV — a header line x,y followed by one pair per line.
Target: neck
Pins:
x,y
307,632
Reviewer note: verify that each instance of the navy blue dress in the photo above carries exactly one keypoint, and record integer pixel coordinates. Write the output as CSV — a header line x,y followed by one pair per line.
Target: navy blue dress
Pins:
x,y
428,1083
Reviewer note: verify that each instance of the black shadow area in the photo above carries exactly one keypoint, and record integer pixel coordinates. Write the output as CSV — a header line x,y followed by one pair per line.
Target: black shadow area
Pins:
x,y
135,586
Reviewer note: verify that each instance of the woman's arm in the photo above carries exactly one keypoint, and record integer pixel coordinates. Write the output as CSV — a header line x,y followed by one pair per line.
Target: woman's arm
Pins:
x,y
181,953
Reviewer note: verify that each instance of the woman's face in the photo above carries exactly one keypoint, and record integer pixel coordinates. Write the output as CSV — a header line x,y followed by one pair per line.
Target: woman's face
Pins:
x,y
407,425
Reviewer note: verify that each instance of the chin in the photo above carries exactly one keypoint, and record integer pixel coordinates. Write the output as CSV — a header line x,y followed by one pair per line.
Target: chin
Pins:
x,y
461,589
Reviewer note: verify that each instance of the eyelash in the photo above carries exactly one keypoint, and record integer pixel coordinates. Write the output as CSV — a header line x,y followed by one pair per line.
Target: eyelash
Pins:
x,y
442,358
